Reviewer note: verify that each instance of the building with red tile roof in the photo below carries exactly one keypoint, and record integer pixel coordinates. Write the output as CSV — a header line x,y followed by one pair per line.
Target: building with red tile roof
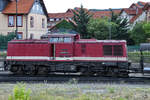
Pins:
x,y
135,13
55,18
29,14
103,12
147,10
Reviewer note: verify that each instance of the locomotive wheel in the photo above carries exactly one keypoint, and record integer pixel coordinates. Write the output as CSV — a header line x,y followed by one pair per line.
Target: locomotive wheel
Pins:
x,y
87,72
112,72
14,69
43,70
124,74
29,70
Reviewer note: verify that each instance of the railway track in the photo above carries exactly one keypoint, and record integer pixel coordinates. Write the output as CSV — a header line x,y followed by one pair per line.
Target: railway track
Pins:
x,y
51,78
6,76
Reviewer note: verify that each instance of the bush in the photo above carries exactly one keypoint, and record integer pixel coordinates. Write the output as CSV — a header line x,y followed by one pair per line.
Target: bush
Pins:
x,y
4,40
20,93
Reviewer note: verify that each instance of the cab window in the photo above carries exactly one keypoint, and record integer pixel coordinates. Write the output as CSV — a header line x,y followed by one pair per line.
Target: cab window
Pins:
x,y
66,40
53,40
60,39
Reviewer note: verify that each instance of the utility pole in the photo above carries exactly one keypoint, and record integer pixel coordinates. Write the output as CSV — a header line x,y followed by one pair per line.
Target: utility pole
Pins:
x,y
110,29
16,33
110,24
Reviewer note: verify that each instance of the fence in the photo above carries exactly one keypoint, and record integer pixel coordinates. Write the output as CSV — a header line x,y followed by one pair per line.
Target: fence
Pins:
x,y
133,48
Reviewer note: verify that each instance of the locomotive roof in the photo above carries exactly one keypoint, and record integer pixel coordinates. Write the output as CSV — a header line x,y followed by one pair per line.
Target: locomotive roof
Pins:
x,y
101,41
28,41
59,35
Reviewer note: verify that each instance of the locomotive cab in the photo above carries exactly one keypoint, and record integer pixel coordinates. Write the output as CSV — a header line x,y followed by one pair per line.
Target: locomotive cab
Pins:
x,y
62,46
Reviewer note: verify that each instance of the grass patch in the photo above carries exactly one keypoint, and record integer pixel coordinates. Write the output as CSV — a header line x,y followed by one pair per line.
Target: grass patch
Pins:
x,y
74,92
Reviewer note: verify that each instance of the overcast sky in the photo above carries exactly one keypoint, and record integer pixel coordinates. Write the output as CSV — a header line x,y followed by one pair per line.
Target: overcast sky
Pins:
x,y
56,6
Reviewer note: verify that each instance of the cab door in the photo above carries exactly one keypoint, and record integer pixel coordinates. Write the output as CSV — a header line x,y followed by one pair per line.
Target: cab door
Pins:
x,y
62,49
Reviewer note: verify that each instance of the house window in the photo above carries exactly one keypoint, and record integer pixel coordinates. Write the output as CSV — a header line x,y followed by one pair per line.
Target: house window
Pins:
x,y
31,36
31,21
51,19
43,23
57,19
11,21
19,21
49,24
53,24
20,35
70,18
149,18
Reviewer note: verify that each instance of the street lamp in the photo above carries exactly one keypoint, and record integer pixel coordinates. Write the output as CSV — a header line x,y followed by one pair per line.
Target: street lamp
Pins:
x,y
16,33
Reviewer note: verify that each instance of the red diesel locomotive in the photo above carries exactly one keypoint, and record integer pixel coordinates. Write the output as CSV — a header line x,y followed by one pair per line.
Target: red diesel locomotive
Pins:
x,y
67,53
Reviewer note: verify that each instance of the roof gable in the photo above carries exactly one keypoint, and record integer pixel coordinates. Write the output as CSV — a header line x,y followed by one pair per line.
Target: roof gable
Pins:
x,y
137,15
139,4
24,7
37,8
129,11
147,6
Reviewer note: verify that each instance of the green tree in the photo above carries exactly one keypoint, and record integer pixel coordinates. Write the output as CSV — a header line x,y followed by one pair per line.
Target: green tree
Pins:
x,y
98,28
138,33
146,27
122,27
81,18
